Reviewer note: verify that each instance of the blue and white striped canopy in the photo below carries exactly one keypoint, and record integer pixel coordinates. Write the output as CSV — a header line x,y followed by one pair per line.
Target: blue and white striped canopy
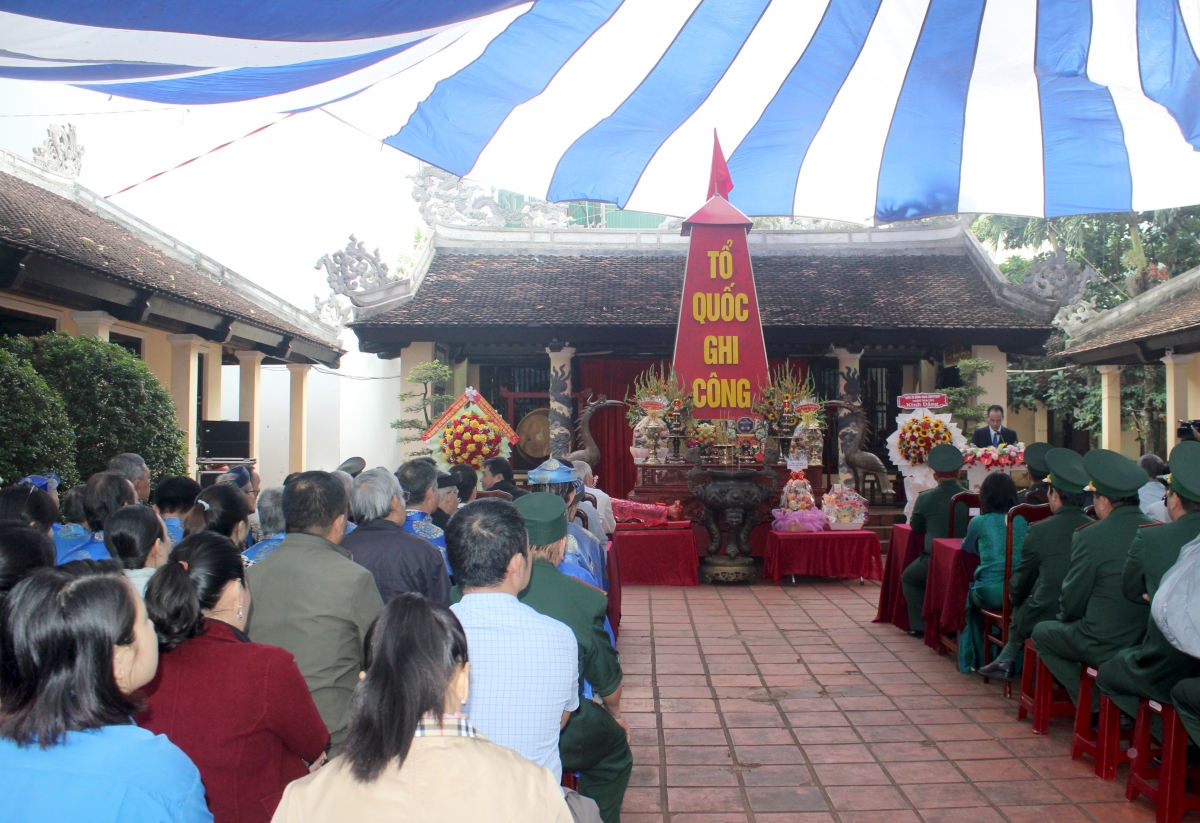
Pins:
x,y
857,110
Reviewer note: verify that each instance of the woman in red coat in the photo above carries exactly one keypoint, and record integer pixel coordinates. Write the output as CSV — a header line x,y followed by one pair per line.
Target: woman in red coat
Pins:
x,y
240,710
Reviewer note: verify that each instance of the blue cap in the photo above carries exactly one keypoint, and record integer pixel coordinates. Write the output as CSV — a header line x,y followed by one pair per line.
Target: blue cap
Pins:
x,y
555,471
46,482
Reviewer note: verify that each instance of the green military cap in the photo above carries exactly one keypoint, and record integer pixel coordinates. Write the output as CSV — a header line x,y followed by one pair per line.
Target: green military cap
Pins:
x,y
1113,474
1035,458
945,458
1065,470
1184,478
545,517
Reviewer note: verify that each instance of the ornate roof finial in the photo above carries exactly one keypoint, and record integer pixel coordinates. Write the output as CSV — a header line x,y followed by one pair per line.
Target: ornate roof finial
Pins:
x,y
60,152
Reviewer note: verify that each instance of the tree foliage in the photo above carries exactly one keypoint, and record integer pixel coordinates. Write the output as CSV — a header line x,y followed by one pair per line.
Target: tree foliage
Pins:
x,y
114,402
431,376
36,436
964,399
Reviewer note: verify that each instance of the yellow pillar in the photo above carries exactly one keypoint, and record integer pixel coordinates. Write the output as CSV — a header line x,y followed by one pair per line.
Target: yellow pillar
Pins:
x,y
93,324
995,382
212,383
249,394
298,425
1178,368
1193,403
1110,407
184,385
1041,424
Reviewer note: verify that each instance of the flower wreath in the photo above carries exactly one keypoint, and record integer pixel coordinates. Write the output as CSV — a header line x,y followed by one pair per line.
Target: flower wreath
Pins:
x,y
470,438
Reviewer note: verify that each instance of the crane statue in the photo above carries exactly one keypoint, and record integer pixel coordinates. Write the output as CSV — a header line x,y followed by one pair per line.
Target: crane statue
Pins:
x,y
862,462
590,453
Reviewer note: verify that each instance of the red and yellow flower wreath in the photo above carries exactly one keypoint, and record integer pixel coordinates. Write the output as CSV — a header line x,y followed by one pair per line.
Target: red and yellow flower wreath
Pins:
x,y
470,438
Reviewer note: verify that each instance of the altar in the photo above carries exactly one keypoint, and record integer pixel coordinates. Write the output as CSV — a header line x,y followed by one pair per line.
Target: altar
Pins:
x,y
667,482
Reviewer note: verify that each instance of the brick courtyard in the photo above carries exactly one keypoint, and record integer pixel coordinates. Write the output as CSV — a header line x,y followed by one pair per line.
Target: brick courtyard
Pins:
x,y
782,704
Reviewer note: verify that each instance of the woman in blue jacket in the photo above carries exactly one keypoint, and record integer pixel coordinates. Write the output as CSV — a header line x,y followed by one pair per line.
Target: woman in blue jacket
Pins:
x,y
75,646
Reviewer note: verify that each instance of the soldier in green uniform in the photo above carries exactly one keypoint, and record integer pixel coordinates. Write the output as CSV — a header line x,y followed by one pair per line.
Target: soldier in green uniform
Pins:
x,y
931,515
1152,668
1035,463
1095,619
1037,581
595,740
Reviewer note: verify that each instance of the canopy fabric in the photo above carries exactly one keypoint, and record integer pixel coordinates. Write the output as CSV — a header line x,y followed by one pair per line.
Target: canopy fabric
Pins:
x,y
858,110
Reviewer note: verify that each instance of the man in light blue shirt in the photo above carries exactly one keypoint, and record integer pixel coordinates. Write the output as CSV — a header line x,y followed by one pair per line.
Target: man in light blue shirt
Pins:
x,y
524,665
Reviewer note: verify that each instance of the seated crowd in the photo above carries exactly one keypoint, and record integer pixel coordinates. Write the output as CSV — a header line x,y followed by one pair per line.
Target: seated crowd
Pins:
x,y
1083,578
322,650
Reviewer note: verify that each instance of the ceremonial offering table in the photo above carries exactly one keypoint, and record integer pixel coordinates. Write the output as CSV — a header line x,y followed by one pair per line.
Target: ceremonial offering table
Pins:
x,y
903,548
667,482
951,572
613,567
654,557
843,554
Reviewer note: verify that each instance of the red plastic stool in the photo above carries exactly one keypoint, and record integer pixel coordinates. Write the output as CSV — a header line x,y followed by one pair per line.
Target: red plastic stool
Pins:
x,y
1038,695
1169,796
1104,744
570,780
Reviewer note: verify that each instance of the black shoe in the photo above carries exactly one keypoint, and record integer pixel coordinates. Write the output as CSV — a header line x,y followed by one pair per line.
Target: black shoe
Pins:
x,y
915,633
998,670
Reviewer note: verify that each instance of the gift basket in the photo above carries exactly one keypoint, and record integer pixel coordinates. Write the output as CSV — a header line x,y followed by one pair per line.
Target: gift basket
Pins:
x,y
798,510
844,508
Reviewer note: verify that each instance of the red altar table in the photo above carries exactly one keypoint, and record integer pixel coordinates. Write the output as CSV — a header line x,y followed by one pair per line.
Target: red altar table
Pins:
x,y
613,568
655,557
903,549
844,554
951,572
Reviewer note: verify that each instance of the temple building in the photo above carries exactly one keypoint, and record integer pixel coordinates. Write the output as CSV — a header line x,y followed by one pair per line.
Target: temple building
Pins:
x,y
890,307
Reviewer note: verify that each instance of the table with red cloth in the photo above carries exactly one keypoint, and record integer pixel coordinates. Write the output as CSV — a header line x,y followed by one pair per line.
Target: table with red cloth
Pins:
x,y
903,548
951,572
656,557
845,554
613,569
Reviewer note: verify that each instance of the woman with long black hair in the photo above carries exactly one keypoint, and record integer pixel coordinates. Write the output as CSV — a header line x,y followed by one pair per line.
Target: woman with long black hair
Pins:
x,y
410,752
137,538
76,647
240,710
222,509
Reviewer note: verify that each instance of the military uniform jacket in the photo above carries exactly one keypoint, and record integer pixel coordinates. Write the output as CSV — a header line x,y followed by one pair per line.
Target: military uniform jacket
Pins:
x,y
1037,581
931,513
1103,620
582,608
1156,665
1043,488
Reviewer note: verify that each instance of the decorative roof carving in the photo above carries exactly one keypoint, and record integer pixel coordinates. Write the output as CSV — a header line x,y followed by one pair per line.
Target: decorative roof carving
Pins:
x,y
354,271
1059,279
1070,318
331,311
448,199
60,152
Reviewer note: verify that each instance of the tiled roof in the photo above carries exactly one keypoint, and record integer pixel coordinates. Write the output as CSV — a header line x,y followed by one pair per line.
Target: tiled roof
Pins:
x,y
1169,318
36,219
943,291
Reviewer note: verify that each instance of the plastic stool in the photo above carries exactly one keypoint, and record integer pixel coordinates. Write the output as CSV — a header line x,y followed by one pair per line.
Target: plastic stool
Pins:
x,y
1169,796
1104,744
1038,695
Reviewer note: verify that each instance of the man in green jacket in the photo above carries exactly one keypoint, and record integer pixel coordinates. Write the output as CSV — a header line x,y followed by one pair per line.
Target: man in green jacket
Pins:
x,y
1095,619
1037,581
931,515
595,741
1152,668
1035,464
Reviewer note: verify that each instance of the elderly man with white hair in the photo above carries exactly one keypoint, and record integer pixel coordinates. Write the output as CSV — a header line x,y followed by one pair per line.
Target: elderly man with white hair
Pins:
x,y
399,560
608,522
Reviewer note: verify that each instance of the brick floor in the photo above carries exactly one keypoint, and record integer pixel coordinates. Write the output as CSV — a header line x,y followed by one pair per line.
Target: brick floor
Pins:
x,y
787,705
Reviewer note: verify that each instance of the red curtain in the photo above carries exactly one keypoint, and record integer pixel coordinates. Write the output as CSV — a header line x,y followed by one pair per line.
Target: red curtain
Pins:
x,y
610,429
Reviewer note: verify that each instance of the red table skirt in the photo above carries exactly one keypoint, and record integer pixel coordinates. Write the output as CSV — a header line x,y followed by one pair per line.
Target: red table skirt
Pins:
x,y
614,589
903,549
845,554
656,557
951,572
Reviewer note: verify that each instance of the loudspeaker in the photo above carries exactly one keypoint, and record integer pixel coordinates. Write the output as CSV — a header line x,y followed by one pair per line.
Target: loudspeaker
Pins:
x,y
224,438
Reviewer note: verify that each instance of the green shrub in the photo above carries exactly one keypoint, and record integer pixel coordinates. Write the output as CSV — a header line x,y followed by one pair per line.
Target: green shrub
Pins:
x,y
36,436
114,402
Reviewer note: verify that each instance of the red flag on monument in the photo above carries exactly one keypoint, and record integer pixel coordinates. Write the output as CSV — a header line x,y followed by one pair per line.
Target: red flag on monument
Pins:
x,y
720,181
719,350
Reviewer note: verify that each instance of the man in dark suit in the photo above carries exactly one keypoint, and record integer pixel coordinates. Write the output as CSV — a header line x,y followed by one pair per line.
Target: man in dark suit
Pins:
x,y
994,433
